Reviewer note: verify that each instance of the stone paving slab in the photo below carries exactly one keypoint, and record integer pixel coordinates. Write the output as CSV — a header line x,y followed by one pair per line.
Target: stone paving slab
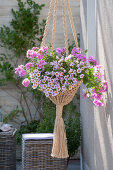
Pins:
x,y
73,165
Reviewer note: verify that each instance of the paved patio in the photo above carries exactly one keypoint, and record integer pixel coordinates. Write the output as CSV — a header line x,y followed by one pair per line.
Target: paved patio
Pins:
x,y
73,165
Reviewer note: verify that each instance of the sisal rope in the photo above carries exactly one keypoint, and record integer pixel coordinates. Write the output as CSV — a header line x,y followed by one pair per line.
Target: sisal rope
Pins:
x,y
59,149
54,24
72,23
47,23
65,28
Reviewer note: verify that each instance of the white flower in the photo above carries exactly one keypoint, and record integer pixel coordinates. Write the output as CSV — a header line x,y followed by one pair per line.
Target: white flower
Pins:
x,y
58,88
74,80
71,75
32,81
31,75
74,71
45,77
57,74
61,73
81,76
78,70
46,94
50,90
53,94
43,81
86,71
34,86
50,84
44,86
70,87
36,71
72,64
68,57
81,63
52,73
70,71
38,74
61,60
63,88
65,77
82,68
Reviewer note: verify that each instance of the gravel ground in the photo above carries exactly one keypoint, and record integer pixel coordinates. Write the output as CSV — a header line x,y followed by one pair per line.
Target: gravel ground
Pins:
x,y
73,165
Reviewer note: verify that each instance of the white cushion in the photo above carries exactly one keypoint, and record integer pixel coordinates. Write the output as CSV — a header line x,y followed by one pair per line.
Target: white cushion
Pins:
x,y
38,136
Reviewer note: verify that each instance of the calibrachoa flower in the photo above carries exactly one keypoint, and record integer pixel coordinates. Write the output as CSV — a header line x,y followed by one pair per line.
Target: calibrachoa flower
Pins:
x,y
92,60
20,70
26,82
61,51
98,71
98,102
28,65
53,71
31,54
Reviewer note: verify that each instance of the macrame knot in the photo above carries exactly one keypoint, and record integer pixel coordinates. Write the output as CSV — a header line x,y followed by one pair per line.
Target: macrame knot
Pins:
x,y
59,149
59,109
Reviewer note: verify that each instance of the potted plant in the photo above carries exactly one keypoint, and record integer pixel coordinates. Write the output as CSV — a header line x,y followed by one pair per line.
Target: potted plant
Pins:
x,y
59,76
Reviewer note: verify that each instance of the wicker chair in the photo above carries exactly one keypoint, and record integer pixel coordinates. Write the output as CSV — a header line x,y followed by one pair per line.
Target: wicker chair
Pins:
x,y
8,150
36,153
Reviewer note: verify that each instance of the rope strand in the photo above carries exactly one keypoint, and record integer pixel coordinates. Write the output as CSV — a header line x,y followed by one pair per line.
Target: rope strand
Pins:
x,y
65,28
47,23
54,24
72,23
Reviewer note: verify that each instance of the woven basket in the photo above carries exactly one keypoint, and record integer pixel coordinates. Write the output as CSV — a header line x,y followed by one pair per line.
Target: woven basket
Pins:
x,y
8,150
65,97
36,153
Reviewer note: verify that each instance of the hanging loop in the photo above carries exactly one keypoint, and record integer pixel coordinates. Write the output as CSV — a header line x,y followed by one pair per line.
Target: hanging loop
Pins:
x,y
54,24
72,23
65,28
47,23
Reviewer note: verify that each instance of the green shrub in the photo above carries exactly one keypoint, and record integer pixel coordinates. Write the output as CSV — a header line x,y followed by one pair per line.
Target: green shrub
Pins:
x,y
29,128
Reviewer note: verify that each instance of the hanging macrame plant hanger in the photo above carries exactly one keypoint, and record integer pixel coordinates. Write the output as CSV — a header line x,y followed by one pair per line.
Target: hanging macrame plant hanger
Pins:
x,y
59,149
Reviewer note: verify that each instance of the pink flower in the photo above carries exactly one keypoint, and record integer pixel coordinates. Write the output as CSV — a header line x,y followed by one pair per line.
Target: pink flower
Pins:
x,y
61,51
98,103
98,71
35,48
103,87
97,96
20,70
76,51
41,52
28,65
40,56
31,54
41,63
22,73
45,49
92,60
25,82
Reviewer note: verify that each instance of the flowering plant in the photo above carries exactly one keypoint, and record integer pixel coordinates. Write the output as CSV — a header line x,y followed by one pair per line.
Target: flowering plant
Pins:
x,y
53,71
